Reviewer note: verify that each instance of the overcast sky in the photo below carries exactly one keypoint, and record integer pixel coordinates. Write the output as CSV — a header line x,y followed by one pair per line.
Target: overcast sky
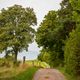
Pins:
x,y
41,8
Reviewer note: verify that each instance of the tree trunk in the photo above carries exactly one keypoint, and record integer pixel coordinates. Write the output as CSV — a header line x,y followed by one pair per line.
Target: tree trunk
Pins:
x,y
15,56
6,55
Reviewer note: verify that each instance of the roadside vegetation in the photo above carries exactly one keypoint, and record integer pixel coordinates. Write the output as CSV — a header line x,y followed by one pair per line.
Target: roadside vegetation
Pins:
x,y
59,37
15,74
20,71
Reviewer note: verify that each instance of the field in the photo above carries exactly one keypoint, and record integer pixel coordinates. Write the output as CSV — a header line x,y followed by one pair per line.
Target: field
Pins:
x,y
24,75
21,72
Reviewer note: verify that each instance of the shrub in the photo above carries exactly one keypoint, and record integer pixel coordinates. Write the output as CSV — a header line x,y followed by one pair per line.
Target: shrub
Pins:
x,y
72,53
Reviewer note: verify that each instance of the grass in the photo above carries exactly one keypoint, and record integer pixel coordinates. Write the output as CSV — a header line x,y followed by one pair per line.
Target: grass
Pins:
x,y
25,75
21,72
67,76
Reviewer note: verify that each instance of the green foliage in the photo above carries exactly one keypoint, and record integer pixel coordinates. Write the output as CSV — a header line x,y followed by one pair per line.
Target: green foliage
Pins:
x,y
44,56
15,29
75,5
49,34
72,53
66,17
55,29
76,10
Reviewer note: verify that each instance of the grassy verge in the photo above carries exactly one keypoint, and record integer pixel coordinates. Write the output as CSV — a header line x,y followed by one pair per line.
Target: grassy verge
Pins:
x,y
68,76
21,72
25,75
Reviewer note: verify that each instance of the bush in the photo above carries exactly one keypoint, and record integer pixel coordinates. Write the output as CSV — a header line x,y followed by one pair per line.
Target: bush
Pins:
x,y
72,53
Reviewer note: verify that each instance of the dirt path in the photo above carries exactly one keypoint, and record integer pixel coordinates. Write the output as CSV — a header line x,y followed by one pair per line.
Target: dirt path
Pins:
x,y
48,74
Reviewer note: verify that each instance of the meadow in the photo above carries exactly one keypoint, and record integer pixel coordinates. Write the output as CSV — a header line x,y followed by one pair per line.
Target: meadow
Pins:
x,y
20,72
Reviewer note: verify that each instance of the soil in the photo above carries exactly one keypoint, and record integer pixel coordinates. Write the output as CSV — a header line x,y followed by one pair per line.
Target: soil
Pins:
x,y
48,74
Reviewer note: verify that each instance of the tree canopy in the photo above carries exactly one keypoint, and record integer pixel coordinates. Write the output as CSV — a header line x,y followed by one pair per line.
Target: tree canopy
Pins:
x,y
54,30
15,29
72,47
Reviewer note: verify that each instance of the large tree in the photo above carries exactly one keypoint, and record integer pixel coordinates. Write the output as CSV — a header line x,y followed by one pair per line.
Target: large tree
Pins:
x,y
55,29
15,29
72,47
65,17
49,35
72,53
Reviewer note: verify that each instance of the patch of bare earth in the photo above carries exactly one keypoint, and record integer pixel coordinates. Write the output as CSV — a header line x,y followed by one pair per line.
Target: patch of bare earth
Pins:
x,y
48,74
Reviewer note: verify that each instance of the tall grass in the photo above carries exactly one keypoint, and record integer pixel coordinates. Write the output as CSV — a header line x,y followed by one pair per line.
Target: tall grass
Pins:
x,y
25,75
21,72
